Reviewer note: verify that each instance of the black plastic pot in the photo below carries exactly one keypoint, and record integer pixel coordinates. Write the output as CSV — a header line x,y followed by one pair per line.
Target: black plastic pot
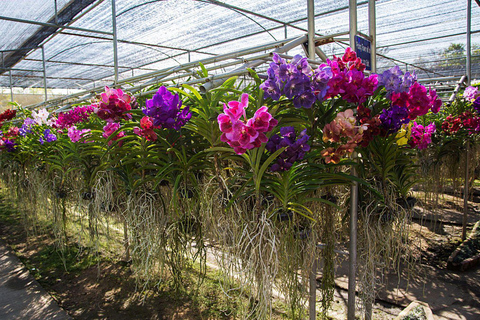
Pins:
x,y
267,200
302,232
407,203
285,215
88,195
61,194
330,198
186,193
164,183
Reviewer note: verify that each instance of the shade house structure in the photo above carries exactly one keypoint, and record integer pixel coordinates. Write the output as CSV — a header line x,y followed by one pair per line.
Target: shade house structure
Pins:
x,y
67,51
85,45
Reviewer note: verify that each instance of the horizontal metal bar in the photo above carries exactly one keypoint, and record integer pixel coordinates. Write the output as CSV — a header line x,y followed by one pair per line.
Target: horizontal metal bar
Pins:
x,y
224,65
46,24
19,69
136,43
440,79
364,35
41,76
426,39
19,49
87,64
286,56
212,60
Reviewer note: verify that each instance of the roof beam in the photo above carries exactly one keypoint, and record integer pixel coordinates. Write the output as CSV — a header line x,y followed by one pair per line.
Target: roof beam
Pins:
x,y
64,17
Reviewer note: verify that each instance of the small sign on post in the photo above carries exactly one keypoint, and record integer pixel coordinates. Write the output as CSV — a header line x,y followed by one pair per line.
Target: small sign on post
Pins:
x,y
363,50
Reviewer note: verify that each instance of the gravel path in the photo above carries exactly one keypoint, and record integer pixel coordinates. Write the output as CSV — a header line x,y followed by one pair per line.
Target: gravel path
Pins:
x,y
21,297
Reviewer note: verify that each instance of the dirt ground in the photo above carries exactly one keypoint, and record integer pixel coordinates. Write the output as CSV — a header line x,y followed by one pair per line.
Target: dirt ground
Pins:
x,y
437,233
101,289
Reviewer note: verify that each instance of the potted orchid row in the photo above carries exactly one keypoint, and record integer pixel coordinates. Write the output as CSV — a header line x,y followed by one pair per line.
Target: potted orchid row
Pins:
x,y
262,173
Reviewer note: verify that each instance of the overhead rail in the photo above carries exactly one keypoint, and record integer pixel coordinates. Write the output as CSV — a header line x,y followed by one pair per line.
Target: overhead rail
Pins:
x,y
53,25
157,75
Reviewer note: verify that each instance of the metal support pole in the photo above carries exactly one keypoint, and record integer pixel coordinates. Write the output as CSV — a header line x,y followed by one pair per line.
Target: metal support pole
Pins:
x,y
321,54
44,73
285,29
56,12
469,38
465,194
353,22
115,47
11,85
352,251
313,291
189,57
372,30
52,25
311,29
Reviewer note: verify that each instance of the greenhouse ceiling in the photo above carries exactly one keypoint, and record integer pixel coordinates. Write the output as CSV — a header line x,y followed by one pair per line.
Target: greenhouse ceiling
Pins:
x,y
70,43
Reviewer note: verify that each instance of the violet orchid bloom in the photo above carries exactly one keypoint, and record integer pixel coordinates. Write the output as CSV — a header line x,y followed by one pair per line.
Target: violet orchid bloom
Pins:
x,y
393,118
296,81
26,127
10,145
165,110
271,89
476,104
47,137
294,148
304,100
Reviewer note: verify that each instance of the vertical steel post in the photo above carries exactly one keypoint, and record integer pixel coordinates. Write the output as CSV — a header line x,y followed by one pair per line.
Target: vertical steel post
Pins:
x,y
311,28
311,55
353,22
372,28
312,303
285,29
44,73
11,85
189,57
115,45
56,12
352,250
469,38
465,193
352,260
372,31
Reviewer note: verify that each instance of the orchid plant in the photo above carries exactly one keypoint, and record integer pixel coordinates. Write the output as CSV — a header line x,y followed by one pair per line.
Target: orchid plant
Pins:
x,y
285,142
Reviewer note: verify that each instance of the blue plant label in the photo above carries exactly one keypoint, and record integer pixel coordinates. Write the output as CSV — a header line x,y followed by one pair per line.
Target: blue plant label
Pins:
x,y
363,50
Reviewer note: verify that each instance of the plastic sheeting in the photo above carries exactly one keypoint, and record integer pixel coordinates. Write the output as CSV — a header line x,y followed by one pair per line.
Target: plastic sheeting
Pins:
x,y
179,30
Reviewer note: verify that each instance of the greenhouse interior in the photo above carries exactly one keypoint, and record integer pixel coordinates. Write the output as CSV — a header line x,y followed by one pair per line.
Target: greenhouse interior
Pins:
x,y
207,159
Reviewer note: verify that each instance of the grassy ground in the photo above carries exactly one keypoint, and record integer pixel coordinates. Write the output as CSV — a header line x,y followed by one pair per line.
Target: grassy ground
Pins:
x,y
89,285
